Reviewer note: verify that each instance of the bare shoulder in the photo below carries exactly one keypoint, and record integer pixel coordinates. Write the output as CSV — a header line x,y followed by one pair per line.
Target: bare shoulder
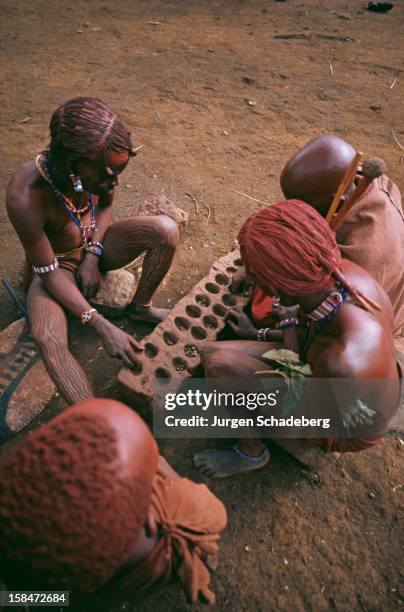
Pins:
x,y
24,188
364,350
367,285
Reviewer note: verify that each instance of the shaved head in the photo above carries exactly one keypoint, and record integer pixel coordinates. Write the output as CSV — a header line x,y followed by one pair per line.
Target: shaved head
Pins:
x,y
75,496
314,173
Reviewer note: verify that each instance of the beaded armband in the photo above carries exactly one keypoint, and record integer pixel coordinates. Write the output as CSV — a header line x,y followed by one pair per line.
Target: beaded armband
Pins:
x,y
45,269
290,322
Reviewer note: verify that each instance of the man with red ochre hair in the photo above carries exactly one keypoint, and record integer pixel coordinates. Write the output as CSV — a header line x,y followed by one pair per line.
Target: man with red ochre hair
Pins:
x,y
334,317
371,235
88,506
60,205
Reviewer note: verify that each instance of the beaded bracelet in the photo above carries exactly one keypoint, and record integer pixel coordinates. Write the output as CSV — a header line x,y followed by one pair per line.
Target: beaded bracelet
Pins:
x,y
98,244
262,334
291,321
95,247
45,269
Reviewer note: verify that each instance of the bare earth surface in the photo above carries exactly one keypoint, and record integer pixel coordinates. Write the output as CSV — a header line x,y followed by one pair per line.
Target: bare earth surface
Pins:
x,y
221,93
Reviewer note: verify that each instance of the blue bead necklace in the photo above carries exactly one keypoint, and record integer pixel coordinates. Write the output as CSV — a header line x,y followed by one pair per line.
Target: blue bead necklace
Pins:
x,y
74,213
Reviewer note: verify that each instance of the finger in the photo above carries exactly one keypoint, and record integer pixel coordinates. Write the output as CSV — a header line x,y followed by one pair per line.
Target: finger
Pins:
x,y
130,353
138,346
233,326
235,314
127,361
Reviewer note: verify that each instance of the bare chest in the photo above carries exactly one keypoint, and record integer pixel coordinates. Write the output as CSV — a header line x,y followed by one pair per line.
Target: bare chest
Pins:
x,y
63,229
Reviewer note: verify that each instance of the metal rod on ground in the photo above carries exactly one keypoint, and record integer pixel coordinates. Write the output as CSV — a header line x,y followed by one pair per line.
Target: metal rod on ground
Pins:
x,y
15,297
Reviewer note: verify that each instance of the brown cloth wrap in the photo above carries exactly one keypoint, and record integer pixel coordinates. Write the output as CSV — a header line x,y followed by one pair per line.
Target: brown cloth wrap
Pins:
x,y
372,235
189,518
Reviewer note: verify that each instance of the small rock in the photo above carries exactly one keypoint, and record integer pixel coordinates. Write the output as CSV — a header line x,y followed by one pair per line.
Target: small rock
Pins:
x,y
163,206
251,103
116,293
247,548
372,495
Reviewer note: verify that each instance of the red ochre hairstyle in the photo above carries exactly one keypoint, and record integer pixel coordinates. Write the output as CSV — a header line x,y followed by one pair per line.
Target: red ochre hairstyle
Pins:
x,y
87,127
68,518
291,247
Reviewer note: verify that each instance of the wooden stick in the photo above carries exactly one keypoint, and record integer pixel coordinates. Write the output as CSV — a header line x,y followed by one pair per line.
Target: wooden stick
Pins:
x,y
345,183
191,195
397,141
346,207
248,196
208,209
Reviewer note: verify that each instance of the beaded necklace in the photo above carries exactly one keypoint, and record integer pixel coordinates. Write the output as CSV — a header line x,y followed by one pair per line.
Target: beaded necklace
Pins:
x,y
74,213
319,316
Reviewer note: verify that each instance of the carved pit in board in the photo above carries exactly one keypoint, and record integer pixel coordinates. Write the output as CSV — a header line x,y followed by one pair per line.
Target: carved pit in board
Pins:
x,y
229,300
202,300
222,279
162,374
191,350
219,310
193,311
151,350
180,364
182,324
212,288
210,322
136,368
198,332
169,338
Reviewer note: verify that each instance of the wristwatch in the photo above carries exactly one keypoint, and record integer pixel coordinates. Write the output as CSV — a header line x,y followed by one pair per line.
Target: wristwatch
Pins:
x,y
87,315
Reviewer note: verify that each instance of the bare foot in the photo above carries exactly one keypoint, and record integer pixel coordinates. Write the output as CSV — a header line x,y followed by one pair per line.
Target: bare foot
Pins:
x,y
222,462
148,314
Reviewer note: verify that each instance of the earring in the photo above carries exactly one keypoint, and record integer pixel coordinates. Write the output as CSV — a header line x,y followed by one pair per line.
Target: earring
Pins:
x,y
77,184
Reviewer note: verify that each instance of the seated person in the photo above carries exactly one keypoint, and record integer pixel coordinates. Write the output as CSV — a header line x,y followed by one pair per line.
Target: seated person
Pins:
x,y
372,233
60,205
88,506
342,328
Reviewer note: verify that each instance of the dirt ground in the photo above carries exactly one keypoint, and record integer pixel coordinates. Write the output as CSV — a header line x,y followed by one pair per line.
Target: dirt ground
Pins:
x,y
221,93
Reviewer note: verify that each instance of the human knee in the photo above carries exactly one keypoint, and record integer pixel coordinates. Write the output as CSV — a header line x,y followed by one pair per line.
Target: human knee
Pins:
x,y
167,230
218,363
206,352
